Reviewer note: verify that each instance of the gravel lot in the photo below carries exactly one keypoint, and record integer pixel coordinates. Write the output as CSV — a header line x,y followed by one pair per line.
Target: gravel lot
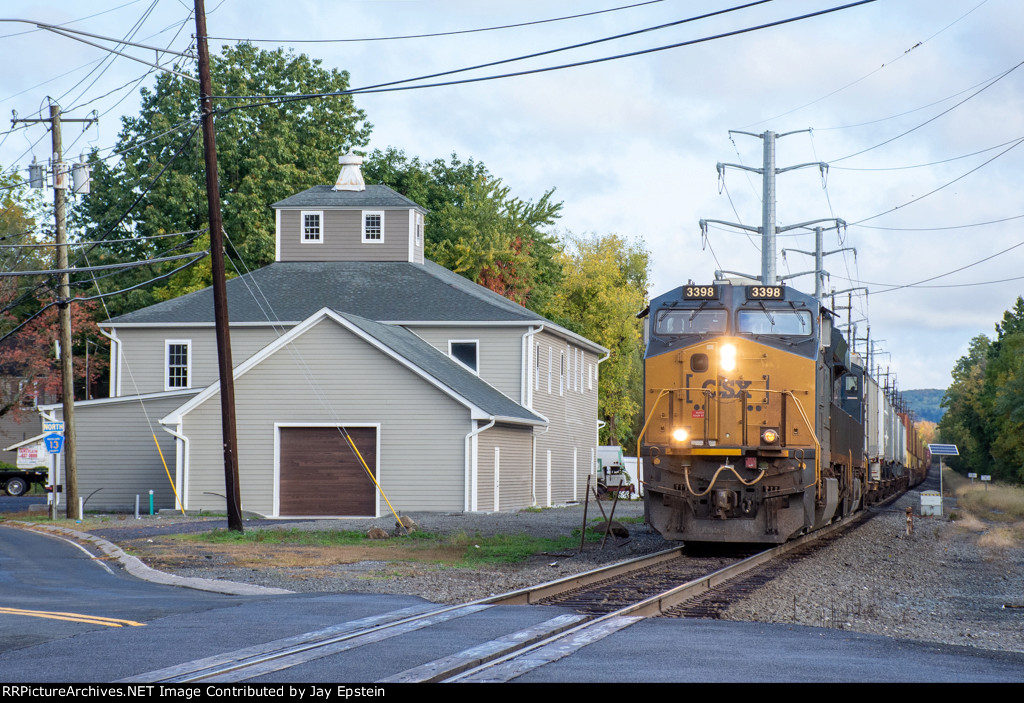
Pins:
x,y
948,582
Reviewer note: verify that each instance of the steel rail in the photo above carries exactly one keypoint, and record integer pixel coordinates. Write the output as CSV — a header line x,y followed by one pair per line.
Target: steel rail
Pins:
x,y
291,651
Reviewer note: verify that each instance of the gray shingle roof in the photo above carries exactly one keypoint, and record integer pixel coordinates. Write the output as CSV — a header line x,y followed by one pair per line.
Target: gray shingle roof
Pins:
x,y
376,290
432,361
375,196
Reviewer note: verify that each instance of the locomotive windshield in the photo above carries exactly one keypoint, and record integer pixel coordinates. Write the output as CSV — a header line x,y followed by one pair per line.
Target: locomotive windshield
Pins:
x,y
691,321
779,322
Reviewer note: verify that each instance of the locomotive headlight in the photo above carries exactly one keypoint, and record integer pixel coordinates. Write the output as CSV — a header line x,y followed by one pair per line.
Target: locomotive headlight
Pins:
x,y
769,437
680,434
727,357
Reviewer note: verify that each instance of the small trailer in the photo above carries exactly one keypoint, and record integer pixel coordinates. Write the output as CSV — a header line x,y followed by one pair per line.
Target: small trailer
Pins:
x,y
17,482
611,472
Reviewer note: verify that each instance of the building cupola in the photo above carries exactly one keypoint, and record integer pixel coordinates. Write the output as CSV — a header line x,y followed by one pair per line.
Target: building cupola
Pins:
x,y
350,178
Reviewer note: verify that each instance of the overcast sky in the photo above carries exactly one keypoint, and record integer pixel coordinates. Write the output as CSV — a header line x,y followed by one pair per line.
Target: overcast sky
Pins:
x,y
631,145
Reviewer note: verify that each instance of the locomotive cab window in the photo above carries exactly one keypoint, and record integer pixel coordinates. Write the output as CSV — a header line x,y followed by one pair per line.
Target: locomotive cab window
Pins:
x,y
691,321
779,322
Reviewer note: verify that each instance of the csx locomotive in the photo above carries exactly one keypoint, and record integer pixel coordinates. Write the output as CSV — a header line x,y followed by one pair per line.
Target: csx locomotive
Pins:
x,y
760,425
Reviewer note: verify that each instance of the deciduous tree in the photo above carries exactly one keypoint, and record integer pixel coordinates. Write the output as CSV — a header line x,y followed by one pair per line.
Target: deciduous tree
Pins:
x,y
604,286
266,151
476,227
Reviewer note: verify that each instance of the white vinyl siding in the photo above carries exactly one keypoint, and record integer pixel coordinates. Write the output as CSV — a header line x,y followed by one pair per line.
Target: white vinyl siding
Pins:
x,y
499,352
341,233
572,429
144,354
505,460
420,425
116,451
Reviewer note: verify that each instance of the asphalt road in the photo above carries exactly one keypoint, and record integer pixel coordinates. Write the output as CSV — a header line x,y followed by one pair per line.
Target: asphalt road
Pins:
x,y
176,625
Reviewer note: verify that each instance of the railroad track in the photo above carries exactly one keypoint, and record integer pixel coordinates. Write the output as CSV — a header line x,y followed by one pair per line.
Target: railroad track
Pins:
x,y
607,600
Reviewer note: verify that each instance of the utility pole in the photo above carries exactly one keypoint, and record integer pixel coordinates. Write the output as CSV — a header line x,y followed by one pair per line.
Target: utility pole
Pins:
x,y
819,255
60,181
220,296
768,230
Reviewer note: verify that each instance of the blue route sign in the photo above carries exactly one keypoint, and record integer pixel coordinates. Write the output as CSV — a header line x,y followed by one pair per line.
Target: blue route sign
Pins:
x,y
54,443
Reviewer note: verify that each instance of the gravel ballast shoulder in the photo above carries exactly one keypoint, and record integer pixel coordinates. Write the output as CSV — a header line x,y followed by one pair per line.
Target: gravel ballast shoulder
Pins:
x,y
942,583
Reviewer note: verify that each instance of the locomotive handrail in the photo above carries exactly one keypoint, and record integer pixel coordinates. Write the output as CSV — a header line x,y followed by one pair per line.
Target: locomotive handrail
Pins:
x,y
817,445
663,393
814,436
654,407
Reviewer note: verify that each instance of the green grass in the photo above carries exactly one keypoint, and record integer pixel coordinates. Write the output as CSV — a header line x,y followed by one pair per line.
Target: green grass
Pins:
x,y
475,550
322,538
510,549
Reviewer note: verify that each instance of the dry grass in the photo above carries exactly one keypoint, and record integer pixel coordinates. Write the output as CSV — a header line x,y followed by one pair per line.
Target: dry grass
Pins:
x,y
996,511
245,555
969,523
1000,538
997,502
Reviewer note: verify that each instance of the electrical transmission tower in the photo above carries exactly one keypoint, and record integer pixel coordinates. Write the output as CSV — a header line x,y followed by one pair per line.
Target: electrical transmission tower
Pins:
x,y
768,229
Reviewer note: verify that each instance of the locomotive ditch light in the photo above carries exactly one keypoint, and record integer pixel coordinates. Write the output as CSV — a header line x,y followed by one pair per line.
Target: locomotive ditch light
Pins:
x,y
680,434
769,436
727,357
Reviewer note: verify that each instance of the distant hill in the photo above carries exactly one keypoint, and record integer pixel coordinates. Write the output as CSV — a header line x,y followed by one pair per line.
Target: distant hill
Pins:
x,y
925,403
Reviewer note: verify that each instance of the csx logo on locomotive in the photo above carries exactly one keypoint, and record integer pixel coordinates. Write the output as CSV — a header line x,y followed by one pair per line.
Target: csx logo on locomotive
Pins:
x,y
726,389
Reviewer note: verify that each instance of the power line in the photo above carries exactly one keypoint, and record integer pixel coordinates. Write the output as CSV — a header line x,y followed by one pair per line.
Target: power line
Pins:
x,y
538,53
932,163
991,83
944,185
91,242
938,229
440,34
868,75
102,267
80,19
942,275
396,85
908,112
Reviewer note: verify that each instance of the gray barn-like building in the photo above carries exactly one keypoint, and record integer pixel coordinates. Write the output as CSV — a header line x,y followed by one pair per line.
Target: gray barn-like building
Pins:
x,y
456,398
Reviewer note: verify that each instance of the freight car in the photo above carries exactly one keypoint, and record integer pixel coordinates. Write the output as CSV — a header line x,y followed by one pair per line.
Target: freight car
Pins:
x,y
760,424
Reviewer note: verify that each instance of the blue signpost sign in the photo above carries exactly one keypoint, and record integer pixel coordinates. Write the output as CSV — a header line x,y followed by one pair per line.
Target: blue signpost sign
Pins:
x,y
54,443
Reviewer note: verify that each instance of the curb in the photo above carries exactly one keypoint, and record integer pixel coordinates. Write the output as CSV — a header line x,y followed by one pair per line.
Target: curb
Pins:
x,y
135,567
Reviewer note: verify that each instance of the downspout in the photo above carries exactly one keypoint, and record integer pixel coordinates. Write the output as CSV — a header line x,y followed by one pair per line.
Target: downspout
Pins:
x,y
115,363
471,466
180,465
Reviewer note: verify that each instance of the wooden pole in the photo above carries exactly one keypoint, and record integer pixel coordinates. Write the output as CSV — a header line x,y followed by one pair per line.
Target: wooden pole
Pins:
x,y
220,296
60,182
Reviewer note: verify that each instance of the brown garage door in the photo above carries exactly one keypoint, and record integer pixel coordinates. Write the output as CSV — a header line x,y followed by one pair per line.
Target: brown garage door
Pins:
x,y
321,475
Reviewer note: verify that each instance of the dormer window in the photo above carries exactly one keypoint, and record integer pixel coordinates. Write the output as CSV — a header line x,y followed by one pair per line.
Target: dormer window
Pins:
x,y
373,226
312,227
